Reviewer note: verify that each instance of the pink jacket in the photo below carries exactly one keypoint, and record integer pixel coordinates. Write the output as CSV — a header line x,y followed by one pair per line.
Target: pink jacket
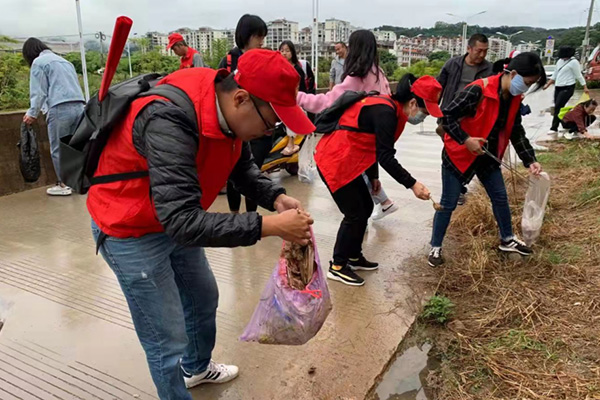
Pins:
x,y
316,103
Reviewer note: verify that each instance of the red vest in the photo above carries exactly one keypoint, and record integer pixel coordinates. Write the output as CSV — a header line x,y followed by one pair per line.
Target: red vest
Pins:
x,y
482,123
187,61
125,208
343,155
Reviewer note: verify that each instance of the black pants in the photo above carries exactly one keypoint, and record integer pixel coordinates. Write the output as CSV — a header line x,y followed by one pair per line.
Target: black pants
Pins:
x,y
261,148
562,95
572,126
355,202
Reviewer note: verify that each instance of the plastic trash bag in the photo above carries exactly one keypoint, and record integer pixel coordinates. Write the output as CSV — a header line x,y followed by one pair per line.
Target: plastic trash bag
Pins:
x,y
288,316
307,168
535,207
4,308
29,154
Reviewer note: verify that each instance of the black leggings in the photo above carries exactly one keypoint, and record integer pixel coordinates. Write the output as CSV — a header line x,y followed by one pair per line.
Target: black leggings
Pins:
x,y
260,148
355,202
562,95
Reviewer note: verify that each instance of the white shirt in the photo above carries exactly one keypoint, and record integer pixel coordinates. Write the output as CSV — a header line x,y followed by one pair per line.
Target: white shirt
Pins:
x,y
568,72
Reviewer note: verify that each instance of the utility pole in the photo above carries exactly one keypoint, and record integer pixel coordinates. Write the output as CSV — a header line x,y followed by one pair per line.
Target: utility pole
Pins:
x,y
586,40
101,36
84,72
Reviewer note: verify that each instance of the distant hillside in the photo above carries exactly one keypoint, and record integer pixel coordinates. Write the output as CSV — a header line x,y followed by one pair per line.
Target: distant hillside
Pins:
x,y
564,36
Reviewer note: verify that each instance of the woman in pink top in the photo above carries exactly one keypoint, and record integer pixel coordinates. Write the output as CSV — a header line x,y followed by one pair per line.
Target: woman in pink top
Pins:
x,y
361,73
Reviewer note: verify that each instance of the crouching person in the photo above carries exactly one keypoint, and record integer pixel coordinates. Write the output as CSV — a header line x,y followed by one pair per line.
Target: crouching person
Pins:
x,y
152,230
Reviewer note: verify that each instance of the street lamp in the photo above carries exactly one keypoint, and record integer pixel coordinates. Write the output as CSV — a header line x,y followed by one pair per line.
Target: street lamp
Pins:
x,y
533,45
129,56
509,38
464,33
410,39
86,85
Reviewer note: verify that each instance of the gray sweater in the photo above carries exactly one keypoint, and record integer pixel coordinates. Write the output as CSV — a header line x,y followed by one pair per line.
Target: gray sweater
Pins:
x,y
451,73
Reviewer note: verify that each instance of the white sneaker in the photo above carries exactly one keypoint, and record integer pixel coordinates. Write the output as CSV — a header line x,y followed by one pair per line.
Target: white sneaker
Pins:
x,y
382,212
215,373
58,190
571,136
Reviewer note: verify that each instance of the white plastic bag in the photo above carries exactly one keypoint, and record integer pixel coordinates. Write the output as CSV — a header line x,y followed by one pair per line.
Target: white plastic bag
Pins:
x,y
4,308
535,207
307,168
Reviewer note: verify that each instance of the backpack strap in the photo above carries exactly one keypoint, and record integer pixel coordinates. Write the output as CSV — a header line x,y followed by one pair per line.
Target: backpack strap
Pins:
x,y
177,97
229,62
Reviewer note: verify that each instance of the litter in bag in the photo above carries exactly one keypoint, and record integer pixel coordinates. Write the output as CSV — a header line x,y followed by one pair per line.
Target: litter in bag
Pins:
x,y
307,168
29,154
535,207
287,315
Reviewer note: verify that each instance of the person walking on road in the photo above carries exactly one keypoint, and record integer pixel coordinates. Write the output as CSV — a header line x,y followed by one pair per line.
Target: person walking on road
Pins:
x,y
55,91
250,34
361,73
479,123
460,71
152,230
190,57
337,65
367,132
568,72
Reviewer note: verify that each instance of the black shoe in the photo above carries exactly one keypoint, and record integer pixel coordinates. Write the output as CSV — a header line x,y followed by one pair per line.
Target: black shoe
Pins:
x,y
362,264
462,199
435,258
345,275
515,246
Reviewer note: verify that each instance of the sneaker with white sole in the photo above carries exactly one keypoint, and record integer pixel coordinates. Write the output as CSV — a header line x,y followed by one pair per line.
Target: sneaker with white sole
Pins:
x,y
383,211
215,373
362,264
59,190
515,245
574,135
345,275
435,258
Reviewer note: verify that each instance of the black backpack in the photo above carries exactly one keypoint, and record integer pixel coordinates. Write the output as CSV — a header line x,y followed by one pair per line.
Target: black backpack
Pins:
x,y
80,152
29,154
328,120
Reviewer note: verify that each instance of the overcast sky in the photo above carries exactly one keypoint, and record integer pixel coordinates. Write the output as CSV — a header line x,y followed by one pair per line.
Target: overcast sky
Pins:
x,y
58,17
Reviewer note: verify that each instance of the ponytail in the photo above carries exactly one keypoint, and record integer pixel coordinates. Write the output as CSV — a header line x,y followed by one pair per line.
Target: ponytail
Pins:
x,y
404,93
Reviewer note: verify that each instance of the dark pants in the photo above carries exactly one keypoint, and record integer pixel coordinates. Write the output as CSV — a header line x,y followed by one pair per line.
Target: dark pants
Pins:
x,y
451,188
260,150
562,95
572,126
355,202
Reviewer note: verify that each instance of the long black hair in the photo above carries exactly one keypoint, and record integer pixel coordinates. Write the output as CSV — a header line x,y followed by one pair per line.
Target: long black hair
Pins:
x,y
248,26
32,49
362,55
292,48
404,93
529,64
566,52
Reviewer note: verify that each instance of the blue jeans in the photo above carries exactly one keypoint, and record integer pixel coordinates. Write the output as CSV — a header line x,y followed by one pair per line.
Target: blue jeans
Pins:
x,y
172,296
378,198
451,189
62,119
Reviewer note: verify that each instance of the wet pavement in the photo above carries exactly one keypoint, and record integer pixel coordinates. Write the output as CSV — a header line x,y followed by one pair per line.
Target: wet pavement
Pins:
x,y
69,334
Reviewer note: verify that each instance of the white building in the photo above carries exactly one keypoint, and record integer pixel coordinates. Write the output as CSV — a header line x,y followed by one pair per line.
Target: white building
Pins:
x,y
201,39
336,30
280,30
525,47
498,49
385,36
159,41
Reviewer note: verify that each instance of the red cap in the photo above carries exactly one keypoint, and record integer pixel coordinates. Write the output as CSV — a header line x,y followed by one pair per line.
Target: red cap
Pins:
x,y
430,90
267,75
173,39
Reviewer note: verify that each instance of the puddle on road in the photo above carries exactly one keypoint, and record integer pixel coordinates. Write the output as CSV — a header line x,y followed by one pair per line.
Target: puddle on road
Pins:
x,y
406,377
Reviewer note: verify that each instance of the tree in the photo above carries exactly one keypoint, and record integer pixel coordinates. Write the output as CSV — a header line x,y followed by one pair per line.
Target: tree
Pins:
x,y
324,64
14,82
218,49
439,55
388,62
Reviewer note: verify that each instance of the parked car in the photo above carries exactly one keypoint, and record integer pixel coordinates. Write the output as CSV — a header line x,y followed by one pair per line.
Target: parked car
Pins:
x,y
550,69
592,72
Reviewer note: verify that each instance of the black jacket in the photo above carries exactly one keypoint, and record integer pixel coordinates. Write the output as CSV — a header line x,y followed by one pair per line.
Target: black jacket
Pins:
x,y
451,73
165,136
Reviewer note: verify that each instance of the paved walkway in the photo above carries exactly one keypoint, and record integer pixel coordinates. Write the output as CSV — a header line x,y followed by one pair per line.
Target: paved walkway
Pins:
x,y
70,335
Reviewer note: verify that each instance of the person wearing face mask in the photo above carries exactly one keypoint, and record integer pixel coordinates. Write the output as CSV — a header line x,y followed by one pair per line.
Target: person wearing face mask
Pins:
x,y
479,123
367,132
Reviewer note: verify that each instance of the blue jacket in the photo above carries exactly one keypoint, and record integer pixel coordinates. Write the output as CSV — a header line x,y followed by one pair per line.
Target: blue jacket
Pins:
x,y
53,81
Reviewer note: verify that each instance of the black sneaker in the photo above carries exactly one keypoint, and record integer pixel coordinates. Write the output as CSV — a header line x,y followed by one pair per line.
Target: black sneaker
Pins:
x,y
362,264
515,246
435,258
345,275
462,199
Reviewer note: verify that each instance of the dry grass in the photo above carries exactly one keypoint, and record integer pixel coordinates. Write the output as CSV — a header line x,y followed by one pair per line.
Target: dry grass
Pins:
x,y
526,329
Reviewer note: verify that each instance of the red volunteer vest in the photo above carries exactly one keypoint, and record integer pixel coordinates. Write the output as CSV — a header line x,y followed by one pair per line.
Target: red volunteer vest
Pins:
x,y
344,155
187,61
125,208
482,123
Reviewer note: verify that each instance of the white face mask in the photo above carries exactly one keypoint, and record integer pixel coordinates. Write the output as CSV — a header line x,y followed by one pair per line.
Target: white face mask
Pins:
x,y
418,118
